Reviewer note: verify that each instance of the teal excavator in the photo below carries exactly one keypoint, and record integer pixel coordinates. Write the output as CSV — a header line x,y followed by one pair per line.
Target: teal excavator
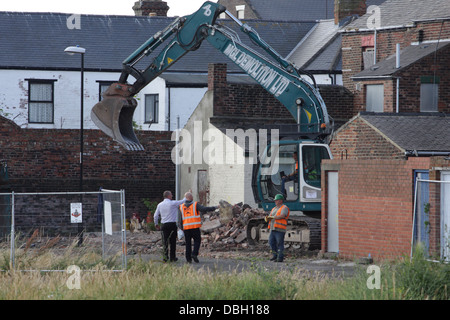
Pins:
x,y
295,171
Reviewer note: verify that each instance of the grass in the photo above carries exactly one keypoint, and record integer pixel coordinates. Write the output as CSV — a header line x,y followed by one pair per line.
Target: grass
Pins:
x,y
406,279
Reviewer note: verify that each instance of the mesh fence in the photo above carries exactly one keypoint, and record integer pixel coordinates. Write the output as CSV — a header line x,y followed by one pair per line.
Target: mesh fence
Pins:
x,y
51,231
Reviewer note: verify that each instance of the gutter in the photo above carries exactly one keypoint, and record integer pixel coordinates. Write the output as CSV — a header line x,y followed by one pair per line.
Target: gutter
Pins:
x,y
416,153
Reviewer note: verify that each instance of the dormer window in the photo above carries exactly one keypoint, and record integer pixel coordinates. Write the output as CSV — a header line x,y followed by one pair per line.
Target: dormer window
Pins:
x,y
240,12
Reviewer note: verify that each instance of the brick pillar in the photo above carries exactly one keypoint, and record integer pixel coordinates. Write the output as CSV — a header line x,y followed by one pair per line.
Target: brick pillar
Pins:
x,y
217,82
151,8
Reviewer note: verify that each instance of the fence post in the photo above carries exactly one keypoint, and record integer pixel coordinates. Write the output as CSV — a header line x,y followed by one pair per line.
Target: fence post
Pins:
x,y
124,229
13,237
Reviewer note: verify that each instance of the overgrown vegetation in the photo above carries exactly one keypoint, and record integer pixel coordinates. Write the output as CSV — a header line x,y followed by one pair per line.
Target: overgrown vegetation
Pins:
x,y
407,279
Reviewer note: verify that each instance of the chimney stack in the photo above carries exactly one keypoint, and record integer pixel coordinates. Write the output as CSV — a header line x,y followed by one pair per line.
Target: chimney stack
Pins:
x,y
347,8
151,8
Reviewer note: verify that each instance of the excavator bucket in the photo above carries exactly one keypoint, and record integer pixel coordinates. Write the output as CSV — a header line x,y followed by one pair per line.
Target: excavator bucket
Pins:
x,y
114,116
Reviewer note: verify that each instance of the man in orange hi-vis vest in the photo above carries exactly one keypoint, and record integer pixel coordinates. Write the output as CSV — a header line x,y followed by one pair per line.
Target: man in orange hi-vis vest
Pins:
x,y
277,220
189,220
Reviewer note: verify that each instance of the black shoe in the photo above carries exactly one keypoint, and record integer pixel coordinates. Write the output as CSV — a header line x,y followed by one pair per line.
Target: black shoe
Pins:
x,y
273,258
195,259
188,261
280,260
174,259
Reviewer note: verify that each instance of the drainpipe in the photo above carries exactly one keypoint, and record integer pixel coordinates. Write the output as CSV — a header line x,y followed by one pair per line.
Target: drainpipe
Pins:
x,y
375,46
397,66
177,164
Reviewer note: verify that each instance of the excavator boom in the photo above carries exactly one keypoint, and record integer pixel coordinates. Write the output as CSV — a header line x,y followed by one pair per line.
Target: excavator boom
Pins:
x,y
114,114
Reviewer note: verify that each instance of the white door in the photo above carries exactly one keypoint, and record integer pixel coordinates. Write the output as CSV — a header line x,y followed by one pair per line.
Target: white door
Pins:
x,y
445,216
333,212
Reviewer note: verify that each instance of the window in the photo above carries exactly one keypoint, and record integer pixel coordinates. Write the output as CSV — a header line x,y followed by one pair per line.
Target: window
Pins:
x,y
374,97
240,11
103,86
40,101
429,94
368,45
151,108
312,157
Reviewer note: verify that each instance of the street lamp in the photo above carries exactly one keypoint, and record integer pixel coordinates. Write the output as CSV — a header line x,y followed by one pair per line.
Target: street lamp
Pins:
x,y
81,51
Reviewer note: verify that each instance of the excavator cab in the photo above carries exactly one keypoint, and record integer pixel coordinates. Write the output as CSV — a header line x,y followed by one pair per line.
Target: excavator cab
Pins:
x,y
292,168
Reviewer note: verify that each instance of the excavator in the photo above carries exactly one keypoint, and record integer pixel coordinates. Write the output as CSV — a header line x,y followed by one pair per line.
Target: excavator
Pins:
x,y
295,170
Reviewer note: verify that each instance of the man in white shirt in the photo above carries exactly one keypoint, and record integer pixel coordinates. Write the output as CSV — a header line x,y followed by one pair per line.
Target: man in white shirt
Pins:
x,y
168,210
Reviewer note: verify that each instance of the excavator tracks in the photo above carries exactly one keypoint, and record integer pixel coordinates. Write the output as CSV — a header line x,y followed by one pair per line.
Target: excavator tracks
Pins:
x,y
302,232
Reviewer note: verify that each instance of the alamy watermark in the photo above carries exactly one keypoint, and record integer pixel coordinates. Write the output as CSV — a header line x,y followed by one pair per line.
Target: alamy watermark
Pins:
x,y
374,280
74,280
74,22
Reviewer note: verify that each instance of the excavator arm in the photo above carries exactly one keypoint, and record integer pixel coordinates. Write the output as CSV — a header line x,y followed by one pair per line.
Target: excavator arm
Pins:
x,y
114,114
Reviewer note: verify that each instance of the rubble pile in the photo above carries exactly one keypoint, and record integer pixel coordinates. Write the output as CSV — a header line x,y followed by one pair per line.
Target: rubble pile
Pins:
x,y
221,230
227,226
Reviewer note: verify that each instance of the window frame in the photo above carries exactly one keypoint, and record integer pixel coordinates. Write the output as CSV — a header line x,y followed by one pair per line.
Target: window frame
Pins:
x,y
367,86
155,108
32,82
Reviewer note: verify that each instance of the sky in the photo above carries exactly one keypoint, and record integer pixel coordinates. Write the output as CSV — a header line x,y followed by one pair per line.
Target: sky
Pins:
x,y
102,7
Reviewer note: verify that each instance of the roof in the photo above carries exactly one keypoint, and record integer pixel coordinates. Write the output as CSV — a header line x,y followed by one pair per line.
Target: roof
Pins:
x,y
403,13
419,132
408,56
320,49
37,41
293,10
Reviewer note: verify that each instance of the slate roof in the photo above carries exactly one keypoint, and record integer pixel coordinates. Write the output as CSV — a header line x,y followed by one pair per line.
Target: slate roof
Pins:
x,y
320,49
408,56
37,41
297,10
293,10
397,13
420,132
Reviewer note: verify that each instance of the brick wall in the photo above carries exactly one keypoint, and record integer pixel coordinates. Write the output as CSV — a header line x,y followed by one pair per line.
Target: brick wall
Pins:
x,y
375,207
357,140
41,160
253,101
430,66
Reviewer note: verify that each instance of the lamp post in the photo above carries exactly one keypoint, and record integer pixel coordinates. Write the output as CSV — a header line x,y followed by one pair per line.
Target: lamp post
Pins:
x,y
81,51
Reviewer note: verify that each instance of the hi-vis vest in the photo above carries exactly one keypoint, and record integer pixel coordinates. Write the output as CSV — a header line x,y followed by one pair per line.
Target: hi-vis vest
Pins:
x,y
191,218
280,224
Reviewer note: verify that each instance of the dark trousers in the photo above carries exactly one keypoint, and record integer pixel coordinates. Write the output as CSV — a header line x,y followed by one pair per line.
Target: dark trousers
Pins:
x,y
276,242
169,237
189,235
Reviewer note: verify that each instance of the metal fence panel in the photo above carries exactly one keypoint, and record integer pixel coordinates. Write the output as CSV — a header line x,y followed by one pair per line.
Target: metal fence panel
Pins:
x,y
52,230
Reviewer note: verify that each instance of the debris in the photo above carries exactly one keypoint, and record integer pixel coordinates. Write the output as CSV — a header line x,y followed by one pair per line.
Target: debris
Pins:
x,y
227,226
209,226
225,212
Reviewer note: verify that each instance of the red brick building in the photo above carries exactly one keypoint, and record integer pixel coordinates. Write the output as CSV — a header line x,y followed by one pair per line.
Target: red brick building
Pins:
x,y
369,69
377,158
369,195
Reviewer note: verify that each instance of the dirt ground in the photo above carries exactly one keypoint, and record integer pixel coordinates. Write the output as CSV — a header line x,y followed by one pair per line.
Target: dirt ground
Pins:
x,y
214,256
240,257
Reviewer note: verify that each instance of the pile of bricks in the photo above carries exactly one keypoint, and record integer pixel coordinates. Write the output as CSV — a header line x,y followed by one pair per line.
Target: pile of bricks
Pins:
x,y
227,225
